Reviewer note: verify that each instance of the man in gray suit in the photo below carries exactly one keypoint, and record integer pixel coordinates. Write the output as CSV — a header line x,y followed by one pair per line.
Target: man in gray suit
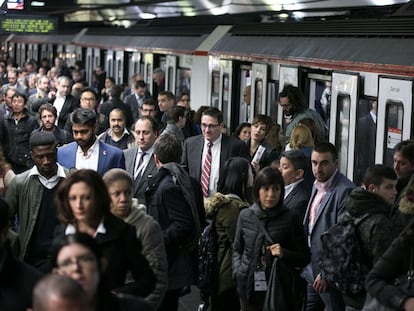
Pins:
x,y
326,206
139,160
222,147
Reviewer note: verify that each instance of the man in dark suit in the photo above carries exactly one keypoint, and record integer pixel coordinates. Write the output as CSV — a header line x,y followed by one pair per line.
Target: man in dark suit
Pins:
x,y
87,151
139,160
222,148
325,208
293,165
137,97
63,101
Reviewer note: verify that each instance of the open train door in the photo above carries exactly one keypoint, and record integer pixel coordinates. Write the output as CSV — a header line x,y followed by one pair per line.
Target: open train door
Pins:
x,y
258,89
287,75
171,69
343,115
395,100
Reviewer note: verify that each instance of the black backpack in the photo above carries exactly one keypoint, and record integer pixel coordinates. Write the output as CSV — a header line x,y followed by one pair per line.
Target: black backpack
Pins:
x,y
207,260
342,263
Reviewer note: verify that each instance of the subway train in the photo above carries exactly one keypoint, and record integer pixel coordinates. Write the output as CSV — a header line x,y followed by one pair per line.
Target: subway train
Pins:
x,y
346,69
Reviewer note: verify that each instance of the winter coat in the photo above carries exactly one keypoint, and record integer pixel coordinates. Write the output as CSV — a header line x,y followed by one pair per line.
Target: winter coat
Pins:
x,y
225,209
394,263
283,227
150,235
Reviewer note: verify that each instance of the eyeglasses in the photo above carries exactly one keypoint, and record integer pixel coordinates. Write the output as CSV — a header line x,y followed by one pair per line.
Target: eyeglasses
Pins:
x,y
210,126
90,99
82,260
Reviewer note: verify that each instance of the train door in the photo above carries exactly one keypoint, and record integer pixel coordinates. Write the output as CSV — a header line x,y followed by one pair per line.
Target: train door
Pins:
x,y
183,75
134,66
118,67
395,100
170,70
259,89
226,72
214,87
343,112
148,67
89,66
109,63
245,94
287,75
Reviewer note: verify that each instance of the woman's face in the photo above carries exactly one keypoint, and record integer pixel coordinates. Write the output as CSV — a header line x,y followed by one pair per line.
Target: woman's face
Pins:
x,y
258,131
269,196
245,133
79,263
121,198
81,202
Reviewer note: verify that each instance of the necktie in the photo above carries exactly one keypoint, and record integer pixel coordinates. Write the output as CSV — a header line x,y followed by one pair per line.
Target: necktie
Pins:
x,y
138,169
205,176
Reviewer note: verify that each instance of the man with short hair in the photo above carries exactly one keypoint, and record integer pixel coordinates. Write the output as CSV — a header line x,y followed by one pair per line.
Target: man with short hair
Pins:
x,y
326,206
63,101
213,145
30,196
139,160
41,96
293,165
404,162
137,97
118,135
175,122
7,109
87,151
17,129
166,100
48,115
12,75
168,204
149,108
375,231
59,293
17,279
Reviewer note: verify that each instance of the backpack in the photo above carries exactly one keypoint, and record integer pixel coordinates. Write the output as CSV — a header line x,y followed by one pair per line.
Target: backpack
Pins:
x,y
207,260
342,263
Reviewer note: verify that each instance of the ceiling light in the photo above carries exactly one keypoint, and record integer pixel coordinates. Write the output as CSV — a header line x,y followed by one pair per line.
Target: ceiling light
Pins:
x,y
37,3
147,15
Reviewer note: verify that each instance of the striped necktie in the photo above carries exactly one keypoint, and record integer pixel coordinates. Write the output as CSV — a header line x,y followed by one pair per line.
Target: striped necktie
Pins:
x,y
205,176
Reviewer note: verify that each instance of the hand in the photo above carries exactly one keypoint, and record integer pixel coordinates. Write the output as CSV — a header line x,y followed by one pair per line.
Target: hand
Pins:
x,y
256,167
409,304
276,250
320,285
51,94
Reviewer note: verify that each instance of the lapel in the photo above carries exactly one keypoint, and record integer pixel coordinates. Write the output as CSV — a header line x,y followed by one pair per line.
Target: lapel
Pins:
x,y
225,150
102,157
72,149
197,153
149,170
130,158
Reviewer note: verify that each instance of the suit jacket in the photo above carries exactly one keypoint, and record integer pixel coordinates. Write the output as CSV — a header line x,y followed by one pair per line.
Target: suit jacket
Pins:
x,y
193,153
109,157
298,199
330,211
141,182
70,104
34,102
132,102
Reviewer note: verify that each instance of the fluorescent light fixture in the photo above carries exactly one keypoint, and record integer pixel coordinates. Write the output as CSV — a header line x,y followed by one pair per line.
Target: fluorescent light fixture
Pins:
x,y
37,3
147,15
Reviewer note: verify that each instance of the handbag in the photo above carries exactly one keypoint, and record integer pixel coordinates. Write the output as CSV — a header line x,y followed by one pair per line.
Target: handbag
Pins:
x,y
283,282
373,304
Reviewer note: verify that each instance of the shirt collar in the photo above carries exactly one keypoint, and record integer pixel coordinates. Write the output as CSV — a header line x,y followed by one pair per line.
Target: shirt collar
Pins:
x,y
91,149
110,132
206,142
71,229
324,186
148,152
34,171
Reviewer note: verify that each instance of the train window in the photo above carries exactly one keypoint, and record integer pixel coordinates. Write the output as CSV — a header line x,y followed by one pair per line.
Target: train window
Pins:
x,y
271,104
342,130
245,111
215,88
366,137
149,73
394,112
225,97
258,96
183,81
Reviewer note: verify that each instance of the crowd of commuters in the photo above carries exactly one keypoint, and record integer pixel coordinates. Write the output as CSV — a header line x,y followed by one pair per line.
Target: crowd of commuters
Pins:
x,y
106,192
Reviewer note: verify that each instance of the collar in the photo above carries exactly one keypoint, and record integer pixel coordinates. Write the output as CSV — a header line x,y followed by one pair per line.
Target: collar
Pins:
x,y
324,186
34,171
149,151
290,187
206,142
110,133
71,229
91,149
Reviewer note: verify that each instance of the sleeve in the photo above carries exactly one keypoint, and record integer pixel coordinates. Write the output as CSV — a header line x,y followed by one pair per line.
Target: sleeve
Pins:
x,y
381,238
238,246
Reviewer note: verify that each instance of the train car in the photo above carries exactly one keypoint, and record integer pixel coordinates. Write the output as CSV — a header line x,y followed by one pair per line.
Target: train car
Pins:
x,y
347,69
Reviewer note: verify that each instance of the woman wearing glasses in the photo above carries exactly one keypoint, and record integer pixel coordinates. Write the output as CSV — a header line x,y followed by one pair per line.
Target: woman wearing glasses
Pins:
x,y
83,205
79,257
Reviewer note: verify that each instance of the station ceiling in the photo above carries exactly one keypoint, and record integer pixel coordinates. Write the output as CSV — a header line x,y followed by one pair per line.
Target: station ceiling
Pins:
x,y
125,13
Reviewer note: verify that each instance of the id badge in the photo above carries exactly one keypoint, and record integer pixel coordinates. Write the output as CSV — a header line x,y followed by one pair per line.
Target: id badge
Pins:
x,y
260,283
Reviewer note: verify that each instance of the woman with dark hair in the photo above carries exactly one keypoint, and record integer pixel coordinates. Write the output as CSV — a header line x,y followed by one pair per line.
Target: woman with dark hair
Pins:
x,y
243,131
261,153
83,205
224,207
253,253
79,257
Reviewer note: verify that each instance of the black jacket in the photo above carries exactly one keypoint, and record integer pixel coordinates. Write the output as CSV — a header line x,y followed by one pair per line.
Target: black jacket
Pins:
x,y
122,250
283,227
